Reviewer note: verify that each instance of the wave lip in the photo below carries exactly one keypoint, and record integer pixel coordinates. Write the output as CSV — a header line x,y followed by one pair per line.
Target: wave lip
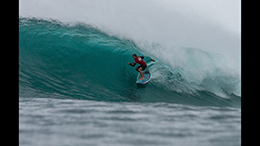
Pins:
x,y
80,61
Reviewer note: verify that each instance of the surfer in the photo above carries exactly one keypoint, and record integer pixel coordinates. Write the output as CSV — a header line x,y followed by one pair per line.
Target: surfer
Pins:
x,y
139,60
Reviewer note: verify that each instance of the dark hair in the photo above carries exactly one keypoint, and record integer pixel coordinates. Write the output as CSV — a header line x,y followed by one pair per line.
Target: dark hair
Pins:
x,y
134,55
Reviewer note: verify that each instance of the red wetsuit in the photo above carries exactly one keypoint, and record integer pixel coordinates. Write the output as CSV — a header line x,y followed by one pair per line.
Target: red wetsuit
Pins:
x,y
139,60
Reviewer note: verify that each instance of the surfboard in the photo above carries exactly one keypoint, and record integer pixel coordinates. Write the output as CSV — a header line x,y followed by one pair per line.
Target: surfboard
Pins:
x,y
147,77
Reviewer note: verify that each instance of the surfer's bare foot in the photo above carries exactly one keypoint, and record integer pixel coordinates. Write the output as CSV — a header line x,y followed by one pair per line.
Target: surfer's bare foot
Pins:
x,y
141,78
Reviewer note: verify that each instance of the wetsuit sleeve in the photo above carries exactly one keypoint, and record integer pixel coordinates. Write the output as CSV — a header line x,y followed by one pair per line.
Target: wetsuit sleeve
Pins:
x,y
132,64
142,57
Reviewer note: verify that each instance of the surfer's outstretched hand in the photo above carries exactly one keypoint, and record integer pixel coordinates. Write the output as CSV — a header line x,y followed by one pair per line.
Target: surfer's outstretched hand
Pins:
x,y
153,60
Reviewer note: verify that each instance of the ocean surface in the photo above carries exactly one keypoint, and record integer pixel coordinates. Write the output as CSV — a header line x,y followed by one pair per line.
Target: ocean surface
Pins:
x,y
51,121
75,88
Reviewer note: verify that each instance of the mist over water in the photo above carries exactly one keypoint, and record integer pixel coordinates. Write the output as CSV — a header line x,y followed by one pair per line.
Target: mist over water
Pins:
x,y
208,25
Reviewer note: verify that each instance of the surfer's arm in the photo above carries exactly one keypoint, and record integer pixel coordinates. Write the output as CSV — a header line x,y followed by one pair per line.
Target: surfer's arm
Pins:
x,y
147,60
150,60
132,64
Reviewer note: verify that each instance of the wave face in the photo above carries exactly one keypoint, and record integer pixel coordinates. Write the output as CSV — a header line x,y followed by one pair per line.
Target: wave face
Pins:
x,y
79,61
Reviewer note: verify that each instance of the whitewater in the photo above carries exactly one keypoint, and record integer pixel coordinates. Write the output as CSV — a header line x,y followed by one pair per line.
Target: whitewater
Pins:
x,y
75,84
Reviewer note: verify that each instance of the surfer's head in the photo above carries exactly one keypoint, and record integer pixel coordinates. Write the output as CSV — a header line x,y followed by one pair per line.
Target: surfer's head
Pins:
x,y
134,56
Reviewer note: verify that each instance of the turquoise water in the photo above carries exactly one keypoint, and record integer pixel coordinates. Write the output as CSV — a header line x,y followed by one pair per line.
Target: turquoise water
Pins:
x,y
75,88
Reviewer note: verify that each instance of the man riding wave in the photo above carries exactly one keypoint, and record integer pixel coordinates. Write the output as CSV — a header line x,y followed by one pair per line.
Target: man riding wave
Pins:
x,y
142,66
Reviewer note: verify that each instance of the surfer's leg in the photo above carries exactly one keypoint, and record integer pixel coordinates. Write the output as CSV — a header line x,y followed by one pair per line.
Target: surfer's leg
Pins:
x,y
141,73
137,69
